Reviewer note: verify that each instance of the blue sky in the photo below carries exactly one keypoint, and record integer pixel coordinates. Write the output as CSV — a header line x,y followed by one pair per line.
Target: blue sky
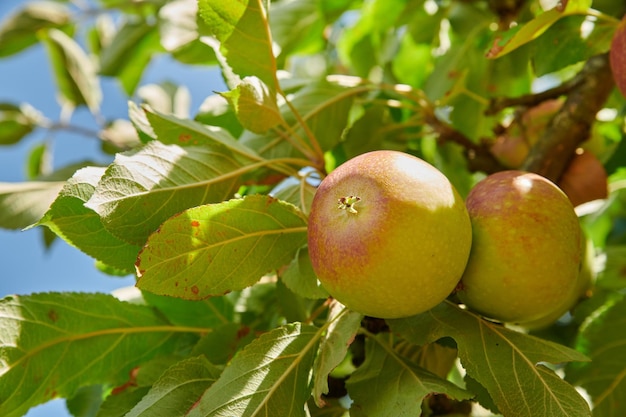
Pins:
x,y
27,266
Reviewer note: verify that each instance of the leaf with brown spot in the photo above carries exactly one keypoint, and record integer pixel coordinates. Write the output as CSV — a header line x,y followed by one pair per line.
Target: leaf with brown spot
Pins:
x,y
212,249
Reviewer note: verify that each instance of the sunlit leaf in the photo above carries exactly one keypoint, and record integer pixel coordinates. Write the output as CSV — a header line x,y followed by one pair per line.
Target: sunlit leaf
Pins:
x,y
53,343
255,105
82,228
23,203
269,378
178,27
167,98
324,107
373,393
174,130
143,188
531,30
216,248
74,72
177,389
525,387
602,338
18,31
129,52
242,29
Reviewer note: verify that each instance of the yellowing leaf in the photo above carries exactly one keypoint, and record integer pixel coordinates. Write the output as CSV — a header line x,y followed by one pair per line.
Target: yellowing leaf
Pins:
x,y
216,248
531,30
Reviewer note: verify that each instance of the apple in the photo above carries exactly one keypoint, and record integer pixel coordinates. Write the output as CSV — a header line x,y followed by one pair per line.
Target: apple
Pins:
x,y
388,235
617,56
585,178
526,248
582,289
512,147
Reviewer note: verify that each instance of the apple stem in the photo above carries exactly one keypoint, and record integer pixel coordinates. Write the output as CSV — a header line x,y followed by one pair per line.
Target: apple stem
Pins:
x,y
347,203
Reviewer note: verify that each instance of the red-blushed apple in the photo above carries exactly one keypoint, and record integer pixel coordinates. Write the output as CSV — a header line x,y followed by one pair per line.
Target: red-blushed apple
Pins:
x,y
526,249
388,235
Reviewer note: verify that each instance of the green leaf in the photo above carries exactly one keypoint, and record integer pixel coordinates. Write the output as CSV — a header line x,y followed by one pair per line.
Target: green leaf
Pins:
x,y
298,27
86,402
178,389
564,43
16,122
82,228
507,363
166,98
178,27
38,163
173,130
366,43
23,203
217,248
243,31
54,343
296,191
222,342
255,105
602,338
613,275
373,130
531,30
211,313
129,52
270,377
300,278
74,72
333,347
216,111
324,107
19,30
143,188
387,384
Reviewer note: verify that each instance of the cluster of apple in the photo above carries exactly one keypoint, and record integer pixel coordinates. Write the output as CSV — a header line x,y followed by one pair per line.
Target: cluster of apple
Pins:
x,y
389,236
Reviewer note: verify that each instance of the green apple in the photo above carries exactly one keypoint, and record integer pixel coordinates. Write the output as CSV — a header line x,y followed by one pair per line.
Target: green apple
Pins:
x,y
526,249
388,235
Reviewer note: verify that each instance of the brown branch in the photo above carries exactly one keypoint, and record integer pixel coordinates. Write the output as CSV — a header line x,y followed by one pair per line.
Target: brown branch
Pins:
x,y
478,155
498,104
571,125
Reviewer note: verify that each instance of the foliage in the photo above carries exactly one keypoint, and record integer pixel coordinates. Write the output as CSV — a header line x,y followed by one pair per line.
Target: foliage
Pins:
x,y
210,211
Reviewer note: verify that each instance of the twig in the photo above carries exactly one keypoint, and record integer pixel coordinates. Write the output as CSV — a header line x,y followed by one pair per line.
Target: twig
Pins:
x,y
479,156
571,125
498,104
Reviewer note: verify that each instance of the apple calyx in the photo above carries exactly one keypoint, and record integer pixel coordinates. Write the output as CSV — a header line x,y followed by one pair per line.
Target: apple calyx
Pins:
x,y
347,203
